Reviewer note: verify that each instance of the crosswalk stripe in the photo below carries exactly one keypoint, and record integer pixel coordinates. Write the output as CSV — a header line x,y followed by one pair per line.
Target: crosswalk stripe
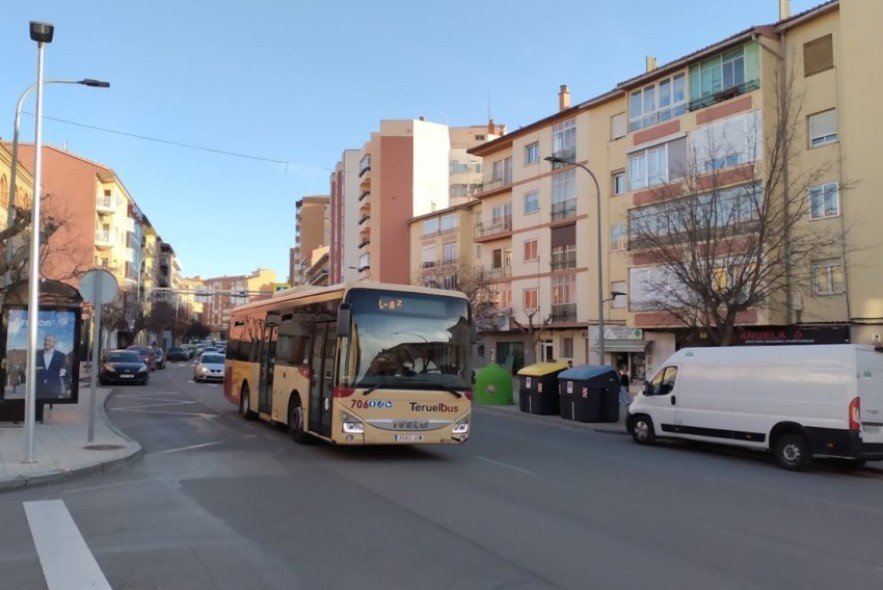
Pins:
x,y
67,562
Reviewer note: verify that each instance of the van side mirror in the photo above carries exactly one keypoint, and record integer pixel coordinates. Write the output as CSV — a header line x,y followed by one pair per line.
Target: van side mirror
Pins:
x,y
646,388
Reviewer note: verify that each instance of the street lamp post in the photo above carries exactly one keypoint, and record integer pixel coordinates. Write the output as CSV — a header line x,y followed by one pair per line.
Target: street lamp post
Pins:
x,y
557,160
10,209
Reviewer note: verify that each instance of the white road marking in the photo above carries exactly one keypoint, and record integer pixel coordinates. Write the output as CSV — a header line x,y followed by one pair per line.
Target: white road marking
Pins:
x,y
67,562
159,405
191,447
501,464
142,411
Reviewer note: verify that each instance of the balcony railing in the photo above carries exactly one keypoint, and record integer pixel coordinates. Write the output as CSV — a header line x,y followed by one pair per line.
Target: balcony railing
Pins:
x,y
105,204
364,242
564,209
363,219
563,312
563,260
725,94
364,165
364,194
567,154
498,272
497,225
102,237
740,228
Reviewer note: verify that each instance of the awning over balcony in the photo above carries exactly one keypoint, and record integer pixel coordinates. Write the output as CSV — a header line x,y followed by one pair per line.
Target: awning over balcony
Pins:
x,y
623,345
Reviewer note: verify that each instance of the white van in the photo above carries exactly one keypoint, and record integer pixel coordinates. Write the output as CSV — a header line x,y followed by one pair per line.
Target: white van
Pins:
x,y
799,402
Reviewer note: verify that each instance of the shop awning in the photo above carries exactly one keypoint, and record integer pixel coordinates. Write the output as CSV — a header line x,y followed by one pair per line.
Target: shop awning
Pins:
x,y
623,345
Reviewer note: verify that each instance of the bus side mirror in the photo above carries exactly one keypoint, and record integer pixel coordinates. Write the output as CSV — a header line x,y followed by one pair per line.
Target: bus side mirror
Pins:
x,y
344,320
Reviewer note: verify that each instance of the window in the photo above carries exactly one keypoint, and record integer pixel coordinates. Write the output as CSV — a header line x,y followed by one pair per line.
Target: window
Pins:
x,y
824,201
448,223
664,382
823,128
530,299
827,277
530,250
617,126
818,55
564,188
657,165
725,75
449,252
497,171
567,347
459,167
618,182
658,102
619,236
532,153
727,142
531,202
620,301
428,256
430,226
563,289
564,140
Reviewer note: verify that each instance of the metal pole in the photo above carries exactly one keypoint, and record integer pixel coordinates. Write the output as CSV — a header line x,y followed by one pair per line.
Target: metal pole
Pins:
x,y
96,352
600,266
34,271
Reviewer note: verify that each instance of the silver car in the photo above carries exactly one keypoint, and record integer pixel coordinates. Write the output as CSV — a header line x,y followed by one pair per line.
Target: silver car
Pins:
x,y
209,367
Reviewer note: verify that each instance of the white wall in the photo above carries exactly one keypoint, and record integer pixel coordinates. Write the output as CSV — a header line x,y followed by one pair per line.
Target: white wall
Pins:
x,y
432,148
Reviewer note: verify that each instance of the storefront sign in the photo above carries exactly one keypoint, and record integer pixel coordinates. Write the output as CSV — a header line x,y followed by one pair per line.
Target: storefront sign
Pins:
x,y
791,335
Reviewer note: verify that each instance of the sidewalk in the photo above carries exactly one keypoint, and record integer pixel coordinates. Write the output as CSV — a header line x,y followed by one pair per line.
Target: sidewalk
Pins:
x,y
61,448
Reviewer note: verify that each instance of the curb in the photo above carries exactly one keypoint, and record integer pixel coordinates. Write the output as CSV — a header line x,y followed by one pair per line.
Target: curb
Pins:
x,y
135,451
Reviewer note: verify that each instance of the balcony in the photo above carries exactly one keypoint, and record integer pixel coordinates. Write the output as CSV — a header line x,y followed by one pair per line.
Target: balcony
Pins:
x,y
364,165
725,94
364,194
105,204
365,241
567,154
563,260
564,210
365,183
563,313
644,241
365,208
365,217
497,272
103,239
497,227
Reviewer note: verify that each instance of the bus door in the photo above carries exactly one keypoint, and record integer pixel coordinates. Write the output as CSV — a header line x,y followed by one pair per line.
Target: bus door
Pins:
x,y
324,347
268,364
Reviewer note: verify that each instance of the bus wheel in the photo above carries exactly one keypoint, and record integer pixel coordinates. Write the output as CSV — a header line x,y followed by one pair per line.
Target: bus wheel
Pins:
x,y
296,424
243,403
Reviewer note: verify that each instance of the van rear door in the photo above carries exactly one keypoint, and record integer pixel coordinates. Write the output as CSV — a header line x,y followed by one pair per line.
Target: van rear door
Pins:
x,y
870,390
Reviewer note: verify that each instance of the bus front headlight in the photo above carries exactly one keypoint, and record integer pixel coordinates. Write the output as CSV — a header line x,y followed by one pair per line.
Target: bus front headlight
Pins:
x,y
351,424
461,426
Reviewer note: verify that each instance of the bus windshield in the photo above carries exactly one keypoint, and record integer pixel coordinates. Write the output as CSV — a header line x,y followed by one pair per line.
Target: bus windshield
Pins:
x,y
411,340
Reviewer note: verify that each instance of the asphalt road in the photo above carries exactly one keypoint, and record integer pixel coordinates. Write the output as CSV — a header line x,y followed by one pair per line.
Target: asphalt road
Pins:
x,y
221,503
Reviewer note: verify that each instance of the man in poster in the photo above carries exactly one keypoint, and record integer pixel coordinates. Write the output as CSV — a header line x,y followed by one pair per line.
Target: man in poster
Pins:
x,y
51,369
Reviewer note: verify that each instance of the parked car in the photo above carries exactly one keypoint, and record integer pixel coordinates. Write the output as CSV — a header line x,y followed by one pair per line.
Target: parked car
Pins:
x,y
147,355
178,353
123,366
209,367
160,358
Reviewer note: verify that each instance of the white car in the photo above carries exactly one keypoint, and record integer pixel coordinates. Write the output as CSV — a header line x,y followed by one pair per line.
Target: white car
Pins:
x,y
209,367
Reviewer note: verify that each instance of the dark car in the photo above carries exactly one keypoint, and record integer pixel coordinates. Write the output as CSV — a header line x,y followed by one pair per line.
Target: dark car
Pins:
x,y
178,353
123,366
147,355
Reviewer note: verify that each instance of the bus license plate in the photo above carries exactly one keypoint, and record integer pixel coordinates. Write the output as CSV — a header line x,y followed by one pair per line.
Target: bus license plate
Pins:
x,y
409,437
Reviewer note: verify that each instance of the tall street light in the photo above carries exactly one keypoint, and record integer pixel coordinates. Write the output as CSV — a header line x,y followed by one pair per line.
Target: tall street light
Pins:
x,y
10,210
42,34
557,160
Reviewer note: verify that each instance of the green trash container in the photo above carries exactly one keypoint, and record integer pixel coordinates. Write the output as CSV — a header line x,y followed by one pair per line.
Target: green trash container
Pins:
x,y
538,388
493,386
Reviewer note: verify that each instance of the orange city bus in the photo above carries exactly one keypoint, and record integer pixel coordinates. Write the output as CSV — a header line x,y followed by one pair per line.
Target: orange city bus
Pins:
x,y
356,363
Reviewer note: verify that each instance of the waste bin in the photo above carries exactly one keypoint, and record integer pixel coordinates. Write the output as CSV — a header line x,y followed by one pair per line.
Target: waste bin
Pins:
x,y
589,393
538,388
493,386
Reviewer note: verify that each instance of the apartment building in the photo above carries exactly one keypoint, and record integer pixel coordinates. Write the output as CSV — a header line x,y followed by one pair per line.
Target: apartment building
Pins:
x,y
221,294
704,124
312,230
24,182
345,196
405,170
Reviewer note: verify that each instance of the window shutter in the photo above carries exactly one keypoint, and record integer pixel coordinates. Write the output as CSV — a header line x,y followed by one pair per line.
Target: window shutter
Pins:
x,y
617,126
818,55
823,124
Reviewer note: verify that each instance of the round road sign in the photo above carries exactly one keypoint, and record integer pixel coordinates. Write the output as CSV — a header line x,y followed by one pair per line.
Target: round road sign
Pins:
x,y
98,286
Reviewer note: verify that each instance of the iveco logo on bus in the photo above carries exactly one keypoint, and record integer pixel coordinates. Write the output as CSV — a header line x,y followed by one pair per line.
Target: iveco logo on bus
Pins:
x,y
440,407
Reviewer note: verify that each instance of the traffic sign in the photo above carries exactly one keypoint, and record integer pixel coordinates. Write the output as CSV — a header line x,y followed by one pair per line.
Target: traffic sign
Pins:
x,y
98,286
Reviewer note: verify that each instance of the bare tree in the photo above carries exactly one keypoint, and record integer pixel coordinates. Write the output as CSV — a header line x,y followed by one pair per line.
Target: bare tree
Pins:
x,y
728,231
533,328
474,282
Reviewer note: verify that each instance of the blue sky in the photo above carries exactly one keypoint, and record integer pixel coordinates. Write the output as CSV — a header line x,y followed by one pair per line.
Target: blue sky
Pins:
x,y
298,82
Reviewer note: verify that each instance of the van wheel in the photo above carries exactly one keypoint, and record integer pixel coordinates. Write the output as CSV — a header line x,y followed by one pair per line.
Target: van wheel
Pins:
x,y
792,452
641,429
296,424
244,410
